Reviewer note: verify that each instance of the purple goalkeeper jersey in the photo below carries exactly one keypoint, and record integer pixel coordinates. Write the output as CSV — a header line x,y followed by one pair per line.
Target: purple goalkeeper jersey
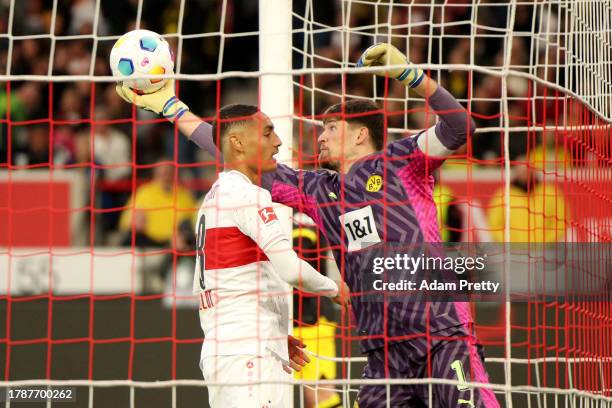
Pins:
x,y
384,198
353,216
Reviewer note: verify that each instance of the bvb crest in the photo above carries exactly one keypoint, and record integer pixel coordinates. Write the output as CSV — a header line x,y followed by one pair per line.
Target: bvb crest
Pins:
x,y
374,183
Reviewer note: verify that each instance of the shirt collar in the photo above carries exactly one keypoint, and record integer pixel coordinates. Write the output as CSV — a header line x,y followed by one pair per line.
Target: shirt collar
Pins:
x,y
237,173
360,162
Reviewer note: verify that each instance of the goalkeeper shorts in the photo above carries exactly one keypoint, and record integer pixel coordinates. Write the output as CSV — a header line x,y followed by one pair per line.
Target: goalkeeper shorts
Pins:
x,y
447,354
248,369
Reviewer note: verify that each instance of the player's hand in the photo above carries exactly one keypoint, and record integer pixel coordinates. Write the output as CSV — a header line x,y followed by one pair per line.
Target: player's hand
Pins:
x,y
163,101
297,357
383,54
343,298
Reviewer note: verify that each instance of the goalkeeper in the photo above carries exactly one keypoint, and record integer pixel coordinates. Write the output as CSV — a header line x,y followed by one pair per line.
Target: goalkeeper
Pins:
x,y
386,194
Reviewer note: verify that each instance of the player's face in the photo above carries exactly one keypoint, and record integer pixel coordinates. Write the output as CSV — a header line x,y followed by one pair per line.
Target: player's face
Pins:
x,y
333,143
164,174
262,144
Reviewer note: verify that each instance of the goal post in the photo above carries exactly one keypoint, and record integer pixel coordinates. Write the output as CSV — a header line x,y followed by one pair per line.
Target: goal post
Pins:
x,y
276,81
276,101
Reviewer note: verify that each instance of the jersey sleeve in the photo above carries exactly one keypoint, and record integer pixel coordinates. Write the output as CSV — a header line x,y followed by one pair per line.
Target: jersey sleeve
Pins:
x,y
284,175
407,153
203,137
294,188
427,150
256,218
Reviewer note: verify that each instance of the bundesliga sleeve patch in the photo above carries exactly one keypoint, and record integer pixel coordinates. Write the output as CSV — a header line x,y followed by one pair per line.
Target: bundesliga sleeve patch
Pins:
x,y
267,215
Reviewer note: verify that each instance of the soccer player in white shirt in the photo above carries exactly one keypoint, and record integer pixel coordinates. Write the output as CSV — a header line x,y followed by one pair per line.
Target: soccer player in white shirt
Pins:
x,y
242,260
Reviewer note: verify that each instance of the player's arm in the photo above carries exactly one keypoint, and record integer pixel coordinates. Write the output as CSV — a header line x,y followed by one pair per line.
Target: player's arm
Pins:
x,y
294,188
301,275
286,185
165,103
257,219
455,124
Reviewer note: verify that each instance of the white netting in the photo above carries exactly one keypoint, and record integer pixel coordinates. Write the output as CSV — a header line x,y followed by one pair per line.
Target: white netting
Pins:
x,y
519,67
530,72
539,46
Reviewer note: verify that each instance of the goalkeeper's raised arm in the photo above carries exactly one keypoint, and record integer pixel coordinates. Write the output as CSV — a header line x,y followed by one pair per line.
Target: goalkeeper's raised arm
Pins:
x,y
448,135
165,103
455,123
386,55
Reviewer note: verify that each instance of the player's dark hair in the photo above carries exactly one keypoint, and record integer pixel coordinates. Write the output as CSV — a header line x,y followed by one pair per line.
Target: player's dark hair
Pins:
x,y
230,116
361,112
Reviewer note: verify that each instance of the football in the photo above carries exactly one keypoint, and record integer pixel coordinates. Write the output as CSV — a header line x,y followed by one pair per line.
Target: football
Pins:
x,y
141,52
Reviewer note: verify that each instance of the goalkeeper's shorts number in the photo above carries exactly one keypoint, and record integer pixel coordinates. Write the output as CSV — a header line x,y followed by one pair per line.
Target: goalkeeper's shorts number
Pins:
x,y
457,366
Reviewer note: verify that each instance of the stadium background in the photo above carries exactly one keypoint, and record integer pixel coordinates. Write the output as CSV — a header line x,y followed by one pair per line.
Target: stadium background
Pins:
x,y
72,153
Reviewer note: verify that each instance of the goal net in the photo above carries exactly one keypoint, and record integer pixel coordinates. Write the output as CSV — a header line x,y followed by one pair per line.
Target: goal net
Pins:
x,y
94,297
536,77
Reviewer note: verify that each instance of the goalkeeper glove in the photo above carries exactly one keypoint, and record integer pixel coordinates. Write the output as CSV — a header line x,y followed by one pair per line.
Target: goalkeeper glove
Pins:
x,y
382,54
163,101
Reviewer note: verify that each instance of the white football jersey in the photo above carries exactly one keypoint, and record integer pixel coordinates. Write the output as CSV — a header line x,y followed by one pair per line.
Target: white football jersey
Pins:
x,y
243,303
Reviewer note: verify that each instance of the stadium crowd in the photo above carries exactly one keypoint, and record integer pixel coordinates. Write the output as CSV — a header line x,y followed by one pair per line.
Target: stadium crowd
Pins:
x,y
46,124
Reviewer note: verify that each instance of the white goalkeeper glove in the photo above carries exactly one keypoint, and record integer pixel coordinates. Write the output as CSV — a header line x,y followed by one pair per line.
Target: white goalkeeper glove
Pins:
x,y
382,54
163,101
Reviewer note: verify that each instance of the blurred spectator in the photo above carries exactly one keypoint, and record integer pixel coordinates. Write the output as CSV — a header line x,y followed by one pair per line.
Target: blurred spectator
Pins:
x,y
82,18
457,83
538,211
82,150
68,122
26,53
80,57
71,105
36,150
549,151
112,151
61,58
64,146
111,148
24,101
159,206
177,269
31,15
115,106
81,163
